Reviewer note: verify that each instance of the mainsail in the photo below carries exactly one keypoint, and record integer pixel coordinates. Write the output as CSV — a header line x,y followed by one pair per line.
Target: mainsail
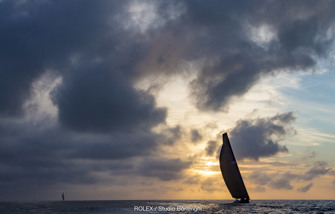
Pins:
x,y
230,172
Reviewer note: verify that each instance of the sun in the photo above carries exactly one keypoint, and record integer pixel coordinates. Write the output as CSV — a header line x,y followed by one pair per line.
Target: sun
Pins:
x,y
209,168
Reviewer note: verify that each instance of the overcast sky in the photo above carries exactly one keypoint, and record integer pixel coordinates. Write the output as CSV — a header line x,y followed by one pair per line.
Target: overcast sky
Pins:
x,y
128,99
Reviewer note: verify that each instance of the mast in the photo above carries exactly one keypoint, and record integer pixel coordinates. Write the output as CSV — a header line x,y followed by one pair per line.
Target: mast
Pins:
x,y
231,173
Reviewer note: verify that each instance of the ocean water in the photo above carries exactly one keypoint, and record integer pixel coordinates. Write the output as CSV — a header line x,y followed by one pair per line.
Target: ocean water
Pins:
x,y
165,206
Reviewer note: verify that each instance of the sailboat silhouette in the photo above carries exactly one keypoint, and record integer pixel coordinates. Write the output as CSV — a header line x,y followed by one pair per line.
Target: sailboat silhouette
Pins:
x,y
230,172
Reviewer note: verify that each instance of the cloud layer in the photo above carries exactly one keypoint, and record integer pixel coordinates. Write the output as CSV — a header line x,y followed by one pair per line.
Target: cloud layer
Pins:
x,y
282,180
125,38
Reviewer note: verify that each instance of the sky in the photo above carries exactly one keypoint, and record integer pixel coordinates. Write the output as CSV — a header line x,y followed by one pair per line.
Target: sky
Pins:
x,y
109,100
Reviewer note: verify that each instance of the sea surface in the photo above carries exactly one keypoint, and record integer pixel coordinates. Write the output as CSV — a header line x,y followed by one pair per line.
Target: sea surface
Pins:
x,y
169,206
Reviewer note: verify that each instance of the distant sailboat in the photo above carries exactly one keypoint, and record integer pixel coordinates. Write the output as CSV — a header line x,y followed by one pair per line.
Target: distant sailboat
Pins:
x,y
230,172
63,196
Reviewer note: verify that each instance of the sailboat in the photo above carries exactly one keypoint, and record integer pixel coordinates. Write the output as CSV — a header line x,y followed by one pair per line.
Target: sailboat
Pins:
x,y
63,196
230,172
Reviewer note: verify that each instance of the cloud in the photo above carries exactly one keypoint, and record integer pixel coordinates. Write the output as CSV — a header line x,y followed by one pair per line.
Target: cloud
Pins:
x,y
275,181
192,180
309,155
232,61
195,136
49,157
283,180
256,138
259,189
260,178
35,38
100,118
305,188
171,135
164,169
96,99
318,169
211,185
114,147
235,61
211,148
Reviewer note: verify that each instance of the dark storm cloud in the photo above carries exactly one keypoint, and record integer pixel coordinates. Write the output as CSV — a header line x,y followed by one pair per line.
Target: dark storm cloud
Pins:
x,y
39,35
84,44
40,157
44,157
95,95
22,145
256,138
34,160
114,147
95,99
52,147
195,136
